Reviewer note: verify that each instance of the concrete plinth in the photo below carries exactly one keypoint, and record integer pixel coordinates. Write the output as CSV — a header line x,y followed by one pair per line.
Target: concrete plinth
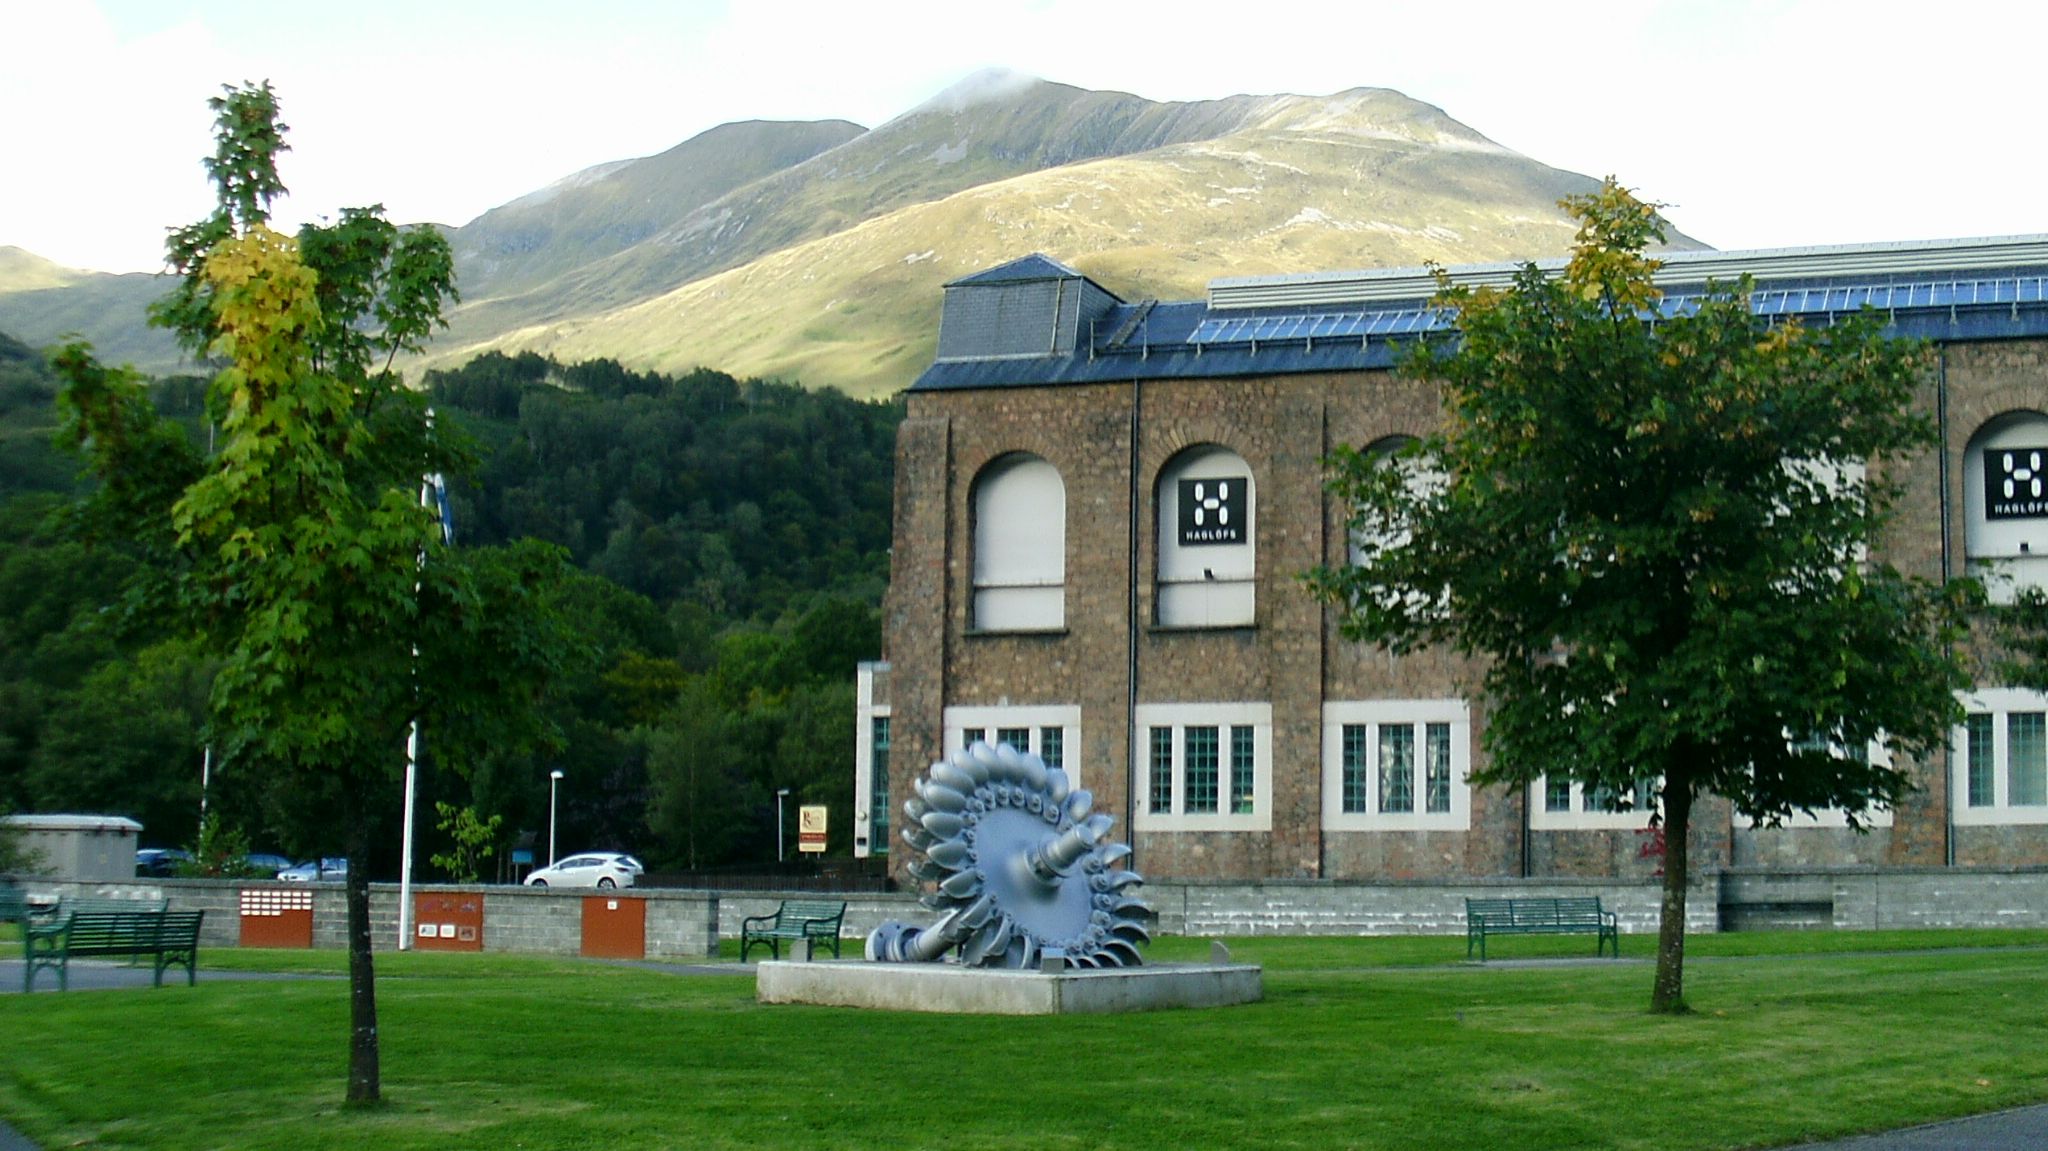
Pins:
x,y
945,988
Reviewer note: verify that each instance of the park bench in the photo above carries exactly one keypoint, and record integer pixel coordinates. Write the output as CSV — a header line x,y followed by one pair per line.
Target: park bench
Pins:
x,y
813,921
15,906
167,938
1563,915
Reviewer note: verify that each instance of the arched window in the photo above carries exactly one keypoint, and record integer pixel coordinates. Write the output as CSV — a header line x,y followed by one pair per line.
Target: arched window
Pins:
x,y
1207,547
2005,504
1417,476
1020,546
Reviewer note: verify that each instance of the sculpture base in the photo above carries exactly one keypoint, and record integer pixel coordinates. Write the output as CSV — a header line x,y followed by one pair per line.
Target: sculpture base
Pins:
x,y
950,989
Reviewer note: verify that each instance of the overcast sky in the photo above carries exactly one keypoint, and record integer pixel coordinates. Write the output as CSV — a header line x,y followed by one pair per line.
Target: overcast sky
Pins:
x,y
1769,123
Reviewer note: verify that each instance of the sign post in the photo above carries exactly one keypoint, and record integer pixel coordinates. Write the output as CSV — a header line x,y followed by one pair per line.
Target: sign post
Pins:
x,y
810,828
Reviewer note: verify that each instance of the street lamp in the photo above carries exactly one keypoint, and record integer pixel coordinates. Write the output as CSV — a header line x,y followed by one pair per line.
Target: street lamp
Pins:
x,y
779,794
554,782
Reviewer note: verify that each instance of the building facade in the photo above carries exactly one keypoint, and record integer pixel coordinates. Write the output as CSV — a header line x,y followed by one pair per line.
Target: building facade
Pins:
x,y
1103,510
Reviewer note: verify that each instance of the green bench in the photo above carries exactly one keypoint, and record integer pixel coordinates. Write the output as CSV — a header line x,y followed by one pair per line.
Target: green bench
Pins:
x,y
15,906
168,938
813,921
1564,915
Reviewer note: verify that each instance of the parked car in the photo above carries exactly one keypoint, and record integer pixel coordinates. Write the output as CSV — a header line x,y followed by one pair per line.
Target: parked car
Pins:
x,y
159,862
600,869
264,864
324,870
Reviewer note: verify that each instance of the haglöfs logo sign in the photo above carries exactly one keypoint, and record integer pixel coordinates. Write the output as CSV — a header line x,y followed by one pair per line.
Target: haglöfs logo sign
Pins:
x,y
2015,483
1212,511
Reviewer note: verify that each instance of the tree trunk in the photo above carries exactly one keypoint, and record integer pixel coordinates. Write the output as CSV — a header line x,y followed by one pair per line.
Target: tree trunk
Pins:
x,y
1667,995
363,1076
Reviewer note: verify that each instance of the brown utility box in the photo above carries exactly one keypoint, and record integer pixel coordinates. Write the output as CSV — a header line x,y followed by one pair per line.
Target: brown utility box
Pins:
x,y
277,917
448,921
614,927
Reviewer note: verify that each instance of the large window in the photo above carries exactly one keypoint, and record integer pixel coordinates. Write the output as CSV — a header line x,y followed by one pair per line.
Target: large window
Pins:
x,y
1052,733
878,791
2005,504
1206,767
871,760
1397,764
1999,758
1020,546
1565,805
1207,544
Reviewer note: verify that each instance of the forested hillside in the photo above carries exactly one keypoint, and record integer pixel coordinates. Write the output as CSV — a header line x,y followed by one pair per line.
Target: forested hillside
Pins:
x,y
734,537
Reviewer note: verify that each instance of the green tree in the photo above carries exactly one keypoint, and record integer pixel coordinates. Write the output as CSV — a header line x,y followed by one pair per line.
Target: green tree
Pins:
x,y
1661,543
304,561
471,841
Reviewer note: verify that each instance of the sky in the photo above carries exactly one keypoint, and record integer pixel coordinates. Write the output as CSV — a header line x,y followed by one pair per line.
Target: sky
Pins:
x,y
1761,123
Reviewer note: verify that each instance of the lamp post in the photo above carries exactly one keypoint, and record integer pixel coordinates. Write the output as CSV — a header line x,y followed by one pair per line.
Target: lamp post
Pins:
x,y
779,796
554,782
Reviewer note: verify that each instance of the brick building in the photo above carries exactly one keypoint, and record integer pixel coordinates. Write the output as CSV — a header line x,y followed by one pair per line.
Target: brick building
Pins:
x,y
1102,508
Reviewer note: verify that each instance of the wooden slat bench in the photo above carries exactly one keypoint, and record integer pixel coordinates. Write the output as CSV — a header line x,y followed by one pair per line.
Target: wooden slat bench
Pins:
x,y
168,938
1563,915
813,921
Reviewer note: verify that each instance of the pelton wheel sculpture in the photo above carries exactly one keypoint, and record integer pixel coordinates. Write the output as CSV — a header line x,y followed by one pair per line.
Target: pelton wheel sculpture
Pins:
x,y
1020,869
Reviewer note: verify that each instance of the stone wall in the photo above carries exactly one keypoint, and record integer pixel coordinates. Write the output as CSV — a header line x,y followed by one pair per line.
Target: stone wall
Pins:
x,y
687,925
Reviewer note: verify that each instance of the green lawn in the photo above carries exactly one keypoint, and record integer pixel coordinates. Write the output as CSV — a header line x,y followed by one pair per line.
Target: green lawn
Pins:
x,y
1377,1043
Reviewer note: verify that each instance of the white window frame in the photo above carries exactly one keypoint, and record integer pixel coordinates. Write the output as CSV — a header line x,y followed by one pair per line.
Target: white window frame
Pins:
x,y
1222,716
1035,718
866,711
1578,818
1416,713
1999,703
1019,556
1201,586
1876,816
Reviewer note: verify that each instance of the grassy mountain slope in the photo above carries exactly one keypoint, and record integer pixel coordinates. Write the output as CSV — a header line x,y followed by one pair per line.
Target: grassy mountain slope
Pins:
x,y
43,303
607,209
815,251
987,129
1364,178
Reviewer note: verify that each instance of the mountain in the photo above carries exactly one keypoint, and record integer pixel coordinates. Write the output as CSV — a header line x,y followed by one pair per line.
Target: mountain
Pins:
x,y
44,303
816,251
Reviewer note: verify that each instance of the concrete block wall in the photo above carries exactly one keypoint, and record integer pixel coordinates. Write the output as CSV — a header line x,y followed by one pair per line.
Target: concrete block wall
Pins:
x,y
1420,908
1931,897
688,925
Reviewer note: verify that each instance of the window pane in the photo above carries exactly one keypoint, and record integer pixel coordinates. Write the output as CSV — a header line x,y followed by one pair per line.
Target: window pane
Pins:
x,y
878,787
1354,767
2026,759
1979,763
1201,770
1162,770
1243,771
1557,793
1052,746
1016,737
1397,768
1439,768
1601,798
973,735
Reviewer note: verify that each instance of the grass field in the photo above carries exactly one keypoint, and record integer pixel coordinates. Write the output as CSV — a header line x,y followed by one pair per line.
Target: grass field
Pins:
x,y
1370,1043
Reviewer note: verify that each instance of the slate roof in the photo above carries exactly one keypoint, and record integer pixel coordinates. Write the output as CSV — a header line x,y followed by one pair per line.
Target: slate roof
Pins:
x,y
1035,266
1949,291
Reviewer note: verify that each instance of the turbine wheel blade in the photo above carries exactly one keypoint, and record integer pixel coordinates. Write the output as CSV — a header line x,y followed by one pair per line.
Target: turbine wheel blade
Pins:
x,y
1079,804
1123,953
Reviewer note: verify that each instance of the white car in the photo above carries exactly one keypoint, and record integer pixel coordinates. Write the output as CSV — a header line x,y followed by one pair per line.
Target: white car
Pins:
x,y
599,869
